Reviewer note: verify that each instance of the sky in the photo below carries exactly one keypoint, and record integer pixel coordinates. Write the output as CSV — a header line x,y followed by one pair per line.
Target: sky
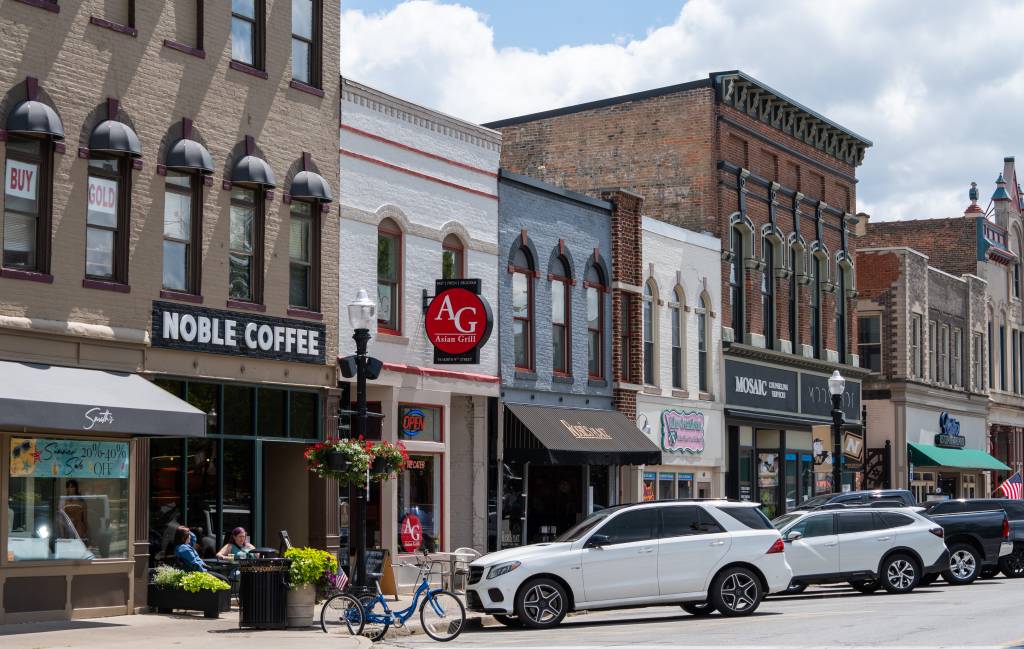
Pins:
x,y
936,85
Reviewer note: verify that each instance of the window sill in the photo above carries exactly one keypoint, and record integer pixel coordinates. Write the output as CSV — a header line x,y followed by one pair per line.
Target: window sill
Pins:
x,y
181,296
106,285
246,306
388,336
247,69
49,5
566,379
181,47
651,389
597,382
305,87
29,275
525,375
706,396
304,313
112,26
680,394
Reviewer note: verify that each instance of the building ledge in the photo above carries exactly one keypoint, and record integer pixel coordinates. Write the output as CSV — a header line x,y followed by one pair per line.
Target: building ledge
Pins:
x,y
733,350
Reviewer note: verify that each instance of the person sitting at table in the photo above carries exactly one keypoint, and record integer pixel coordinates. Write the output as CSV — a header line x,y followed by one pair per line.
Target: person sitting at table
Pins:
x,y
185,551
236,546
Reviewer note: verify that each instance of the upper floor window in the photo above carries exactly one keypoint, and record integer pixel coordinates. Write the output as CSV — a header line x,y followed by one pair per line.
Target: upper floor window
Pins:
x,y
955,357
106,237
248,32
915,345
389,276
869,342
522,269
304,256
943,354
595,286
933,348
977,351
1002,357
453,258
245,259
841,314
794,302
736,282
677,338
768,294
626,316
27,189
816,342
560,309
1016,279
306,37
703,358
650,326
182,233
991,354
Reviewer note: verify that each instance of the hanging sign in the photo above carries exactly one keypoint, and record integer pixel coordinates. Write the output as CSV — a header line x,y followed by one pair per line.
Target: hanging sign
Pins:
x,y
950,437
458,321
853,447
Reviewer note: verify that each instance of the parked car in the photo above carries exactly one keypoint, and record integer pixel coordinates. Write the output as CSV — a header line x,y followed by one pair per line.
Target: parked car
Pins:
x,y
1011,565
869,547
705,555
976,541
885,497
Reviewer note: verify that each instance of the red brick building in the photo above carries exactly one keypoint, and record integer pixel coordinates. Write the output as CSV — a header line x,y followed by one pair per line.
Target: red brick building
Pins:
x,y
777,183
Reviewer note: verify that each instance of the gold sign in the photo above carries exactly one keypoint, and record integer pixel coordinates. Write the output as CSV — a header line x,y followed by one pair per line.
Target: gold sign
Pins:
x,y
579,431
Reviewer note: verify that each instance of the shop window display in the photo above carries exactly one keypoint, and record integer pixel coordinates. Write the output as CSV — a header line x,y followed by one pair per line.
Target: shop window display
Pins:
x,y
650,487
666,482
419,423
419,504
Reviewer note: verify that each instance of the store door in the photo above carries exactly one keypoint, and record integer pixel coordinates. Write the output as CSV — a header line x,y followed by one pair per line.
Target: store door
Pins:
x,y
948,486
555,501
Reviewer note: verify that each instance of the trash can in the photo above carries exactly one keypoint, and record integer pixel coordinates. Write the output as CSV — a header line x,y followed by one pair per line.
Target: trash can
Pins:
x,y
263,593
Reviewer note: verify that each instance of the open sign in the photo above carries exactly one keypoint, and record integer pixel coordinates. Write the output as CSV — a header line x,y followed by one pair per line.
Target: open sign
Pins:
x,y
413,422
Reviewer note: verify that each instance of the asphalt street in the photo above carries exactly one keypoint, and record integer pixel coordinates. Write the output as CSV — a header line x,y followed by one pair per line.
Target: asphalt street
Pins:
x,y
985,614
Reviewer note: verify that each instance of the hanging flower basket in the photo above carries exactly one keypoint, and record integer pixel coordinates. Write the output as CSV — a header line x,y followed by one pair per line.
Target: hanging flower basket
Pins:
x,y
389,460
344,460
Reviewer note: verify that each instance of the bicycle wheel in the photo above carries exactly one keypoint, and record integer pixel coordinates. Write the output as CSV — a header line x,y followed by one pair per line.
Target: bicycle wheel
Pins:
x,y
377,621
443,616
342,614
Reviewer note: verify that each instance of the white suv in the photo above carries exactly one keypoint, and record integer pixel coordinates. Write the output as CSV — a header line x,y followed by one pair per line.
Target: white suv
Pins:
x,y
871,548
704,555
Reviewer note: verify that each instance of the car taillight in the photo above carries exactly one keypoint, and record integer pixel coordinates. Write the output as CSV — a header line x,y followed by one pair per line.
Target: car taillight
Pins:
x,y
938,531
777,547
1006,528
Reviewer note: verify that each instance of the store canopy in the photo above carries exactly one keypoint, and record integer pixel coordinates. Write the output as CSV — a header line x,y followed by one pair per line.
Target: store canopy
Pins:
x,y
312,186
189,155
954,458
553,435
36,397
252,170
113,136
35,118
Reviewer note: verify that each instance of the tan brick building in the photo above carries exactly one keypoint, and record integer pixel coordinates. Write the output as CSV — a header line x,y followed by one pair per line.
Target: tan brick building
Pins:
x,y
167,214
776,182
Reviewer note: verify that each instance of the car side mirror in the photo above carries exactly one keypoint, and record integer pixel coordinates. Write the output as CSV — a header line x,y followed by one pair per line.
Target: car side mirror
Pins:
x,y
794,536
598,541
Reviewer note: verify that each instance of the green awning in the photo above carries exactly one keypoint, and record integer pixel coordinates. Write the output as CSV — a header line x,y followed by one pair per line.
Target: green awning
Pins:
x,y
954,458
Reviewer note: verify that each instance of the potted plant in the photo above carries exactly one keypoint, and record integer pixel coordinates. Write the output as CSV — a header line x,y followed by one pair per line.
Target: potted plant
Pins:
x,y
345,460
309,573
172,588
388,460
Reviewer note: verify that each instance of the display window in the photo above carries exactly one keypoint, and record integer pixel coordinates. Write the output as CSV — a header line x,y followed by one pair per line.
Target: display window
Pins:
x,y
666,486
650,487
684,482
420,511
67,499
420,423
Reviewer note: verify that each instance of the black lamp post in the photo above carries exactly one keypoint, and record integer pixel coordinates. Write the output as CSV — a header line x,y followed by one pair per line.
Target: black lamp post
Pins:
x,y
836,387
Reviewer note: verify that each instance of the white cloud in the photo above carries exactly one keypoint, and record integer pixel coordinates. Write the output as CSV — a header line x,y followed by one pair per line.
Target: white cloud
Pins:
x,y
937,85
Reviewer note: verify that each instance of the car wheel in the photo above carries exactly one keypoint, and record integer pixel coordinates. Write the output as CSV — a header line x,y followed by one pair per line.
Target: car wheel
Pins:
x,y
510,621
964,565
900,574
541,604
1012,566
700,609
867,586
736,592
928,580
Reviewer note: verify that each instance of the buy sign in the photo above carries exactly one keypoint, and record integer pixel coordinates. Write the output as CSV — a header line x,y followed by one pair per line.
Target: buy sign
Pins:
x,y
21,179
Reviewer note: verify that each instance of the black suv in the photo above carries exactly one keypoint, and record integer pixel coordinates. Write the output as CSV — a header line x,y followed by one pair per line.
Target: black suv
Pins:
x,y
881,497
1011,565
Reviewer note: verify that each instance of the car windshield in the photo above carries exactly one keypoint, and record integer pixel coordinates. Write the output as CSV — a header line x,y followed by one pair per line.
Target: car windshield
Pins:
x,y
584,526
785,520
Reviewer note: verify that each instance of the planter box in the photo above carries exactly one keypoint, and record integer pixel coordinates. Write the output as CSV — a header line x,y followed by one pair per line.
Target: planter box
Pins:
x,y
336,461
301,604
212,604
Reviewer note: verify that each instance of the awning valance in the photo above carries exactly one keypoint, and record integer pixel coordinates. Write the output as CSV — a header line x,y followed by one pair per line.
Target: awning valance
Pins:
x,y
252,170
311,186
113,136
36,397
35,118
189,155
954,458
553,435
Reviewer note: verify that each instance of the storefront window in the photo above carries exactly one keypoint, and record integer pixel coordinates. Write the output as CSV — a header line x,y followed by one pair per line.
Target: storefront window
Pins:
x,y
238,480
791,481
768,482
512,504
237,410
68,499
201,474
419,504
650,488
165,495
270,416
685,485
666,482
420,423
303,414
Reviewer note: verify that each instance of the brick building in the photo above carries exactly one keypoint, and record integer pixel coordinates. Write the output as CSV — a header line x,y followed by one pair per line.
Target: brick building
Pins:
x,y
166,223
729,156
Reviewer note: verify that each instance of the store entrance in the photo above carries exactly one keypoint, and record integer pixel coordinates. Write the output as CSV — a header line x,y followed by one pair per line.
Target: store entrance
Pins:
x,y
555,501
285,493
948,486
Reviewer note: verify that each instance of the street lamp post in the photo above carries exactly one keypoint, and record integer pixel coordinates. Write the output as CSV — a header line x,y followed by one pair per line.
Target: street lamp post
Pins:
x,y
836,387
361,314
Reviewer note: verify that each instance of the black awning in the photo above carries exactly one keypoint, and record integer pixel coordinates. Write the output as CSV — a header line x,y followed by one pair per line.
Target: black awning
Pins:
x,y
252,170
789,422
310,185
552,435
189,155
112,136
35,118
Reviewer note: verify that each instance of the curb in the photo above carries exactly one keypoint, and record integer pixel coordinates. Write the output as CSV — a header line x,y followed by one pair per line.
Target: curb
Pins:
x,y
474,623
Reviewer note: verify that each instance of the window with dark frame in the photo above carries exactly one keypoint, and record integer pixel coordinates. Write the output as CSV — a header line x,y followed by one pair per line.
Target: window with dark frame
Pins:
x,y
869,342
736,283
389,277
677,338
649,324
307,34
841,314
248,32
943,354
106,239
955,357
933,347
245,258
794,308
522,269
182,260
27,210
453,258
1002,357
915,345
977,351
595,322
991,356
304,256
703,369
194,48
625,342
768,294
816,305
561,355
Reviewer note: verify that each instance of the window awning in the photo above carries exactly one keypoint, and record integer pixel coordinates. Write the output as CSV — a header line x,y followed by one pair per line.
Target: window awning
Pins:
x,y
311,186
253,170
35,118
189,155
113,136
954,458
553,435
36,397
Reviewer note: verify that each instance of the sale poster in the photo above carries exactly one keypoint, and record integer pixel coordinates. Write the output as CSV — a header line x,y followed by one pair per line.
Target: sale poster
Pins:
x,y
21,179
66,458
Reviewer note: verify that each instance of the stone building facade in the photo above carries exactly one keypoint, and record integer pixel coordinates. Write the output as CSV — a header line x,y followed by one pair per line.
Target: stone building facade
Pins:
x,y
179,192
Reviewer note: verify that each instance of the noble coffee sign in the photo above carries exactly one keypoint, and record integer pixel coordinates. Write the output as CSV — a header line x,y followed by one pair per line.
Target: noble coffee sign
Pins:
x,y
225,332
458,321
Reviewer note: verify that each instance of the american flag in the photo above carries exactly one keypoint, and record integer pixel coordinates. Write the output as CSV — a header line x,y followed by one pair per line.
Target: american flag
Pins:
x,y
1012,487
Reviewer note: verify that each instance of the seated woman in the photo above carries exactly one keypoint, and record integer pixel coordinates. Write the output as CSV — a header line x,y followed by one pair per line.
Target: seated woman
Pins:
x,y
236,546
185,551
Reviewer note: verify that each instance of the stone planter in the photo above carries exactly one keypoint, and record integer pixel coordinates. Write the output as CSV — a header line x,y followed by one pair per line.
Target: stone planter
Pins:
x,y
301,602
165,600
336,461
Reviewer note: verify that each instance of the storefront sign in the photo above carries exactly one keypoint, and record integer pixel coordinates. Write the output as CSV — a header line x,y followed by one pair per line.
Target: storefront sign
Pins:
x,y
21,179
413,421
579,431
760,386
176,326
853,447
815,399
682,431
950,437
412,533
102,195
458,321
66,458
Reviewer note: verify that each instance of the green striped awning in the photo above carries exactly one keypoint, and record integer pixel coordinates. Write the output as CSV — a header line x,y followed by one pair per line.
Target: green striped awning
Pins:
x,y
954,458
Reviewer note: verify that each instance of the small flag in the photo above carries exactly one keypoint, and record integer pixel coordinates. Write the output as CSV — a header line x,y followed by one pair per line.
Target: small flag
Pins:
x,y
339,580
1012,487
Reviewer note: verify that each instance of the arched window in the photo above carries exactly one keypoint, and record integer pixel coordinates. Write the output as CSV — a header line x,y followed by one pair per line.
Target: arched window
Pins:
x,y
703,313
650,327
453,258
522,269
794,302
595,286
816,305
1016,271
389,277
768,294
677,338
736,283
186,163
561,355
841,313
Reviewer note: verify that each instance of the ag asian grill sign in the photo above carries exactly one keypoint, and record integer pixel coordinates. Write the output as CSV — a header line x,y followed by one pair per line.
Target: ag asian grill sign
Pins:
x,y
458,321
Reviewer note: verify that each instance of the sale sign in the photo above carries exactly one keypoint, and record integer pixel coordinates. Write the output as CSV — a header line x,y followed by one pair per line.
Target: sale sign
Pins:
x,y
411,533
458,321
21,179
102,195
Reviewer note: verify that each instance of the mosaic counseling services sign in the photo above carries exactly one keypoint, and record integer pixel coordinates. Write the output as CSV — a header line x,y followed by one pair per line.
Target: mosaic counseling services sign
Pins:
x,y
67,458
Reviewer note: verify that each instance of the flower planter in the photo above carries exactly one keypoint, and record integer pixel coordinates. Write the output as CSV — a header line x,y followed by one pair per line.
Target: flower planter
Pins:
x,y
301,602
379,465
165,600
336,461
